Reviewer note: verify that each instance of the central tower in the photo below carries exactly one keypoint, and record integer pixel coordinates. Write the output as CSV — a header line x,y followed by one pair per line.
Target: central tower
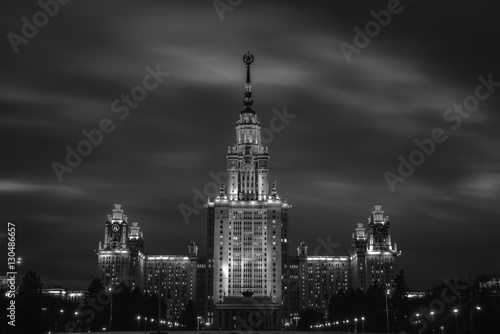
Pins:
x,y
247,160
247,231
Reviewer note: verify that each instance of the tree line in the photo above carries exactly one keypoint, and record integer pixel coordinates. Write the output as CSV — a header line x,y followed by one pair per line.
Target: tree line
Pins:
x,y
454,306
37,312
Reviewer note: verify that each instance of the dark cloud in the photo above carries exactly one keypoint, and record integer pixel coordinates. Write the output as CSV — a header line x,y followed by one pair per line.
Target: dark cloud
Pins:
x,y
352,122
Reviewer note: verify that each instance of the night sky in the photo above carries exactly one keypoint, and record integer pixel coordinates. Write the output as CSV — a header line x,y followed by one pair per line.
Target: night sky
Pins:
x,y
351,122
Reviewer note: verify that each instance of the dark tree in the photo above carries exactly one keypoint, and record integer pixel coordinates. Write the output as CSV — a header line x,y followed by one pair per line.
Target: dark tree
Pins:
x,y
335,310
400,305
29,303
309,317
32,285
188,318
375,307
94,288
95,316
124,313
137,301
486,296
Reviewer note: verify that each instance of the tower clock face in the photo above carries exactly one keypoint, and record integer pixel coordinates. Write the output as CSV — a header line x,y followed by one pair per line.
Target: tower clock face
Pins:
x,y
115,227
380,228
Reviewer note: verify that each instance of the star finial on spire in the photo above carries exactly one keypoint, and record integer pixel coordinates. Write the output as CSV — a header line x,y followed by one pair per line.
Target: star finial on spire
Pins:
x,y
248,60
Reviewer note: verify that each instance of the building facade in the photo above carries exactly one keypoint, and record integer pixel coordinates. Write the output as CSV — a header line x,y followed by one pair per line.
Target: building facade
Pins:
x,y
121,255
247,279
174,277
248,222
65,294
372,254
123,259
321,277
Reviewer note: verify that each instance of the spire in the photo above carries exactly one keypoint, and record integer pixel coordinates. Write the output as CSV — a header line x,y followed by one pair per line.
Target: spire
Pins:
x,y
248,60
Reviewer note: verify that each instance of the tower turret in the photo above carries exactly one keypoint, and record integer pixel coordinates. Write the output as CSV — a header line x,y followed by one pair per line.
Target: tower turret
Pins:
x,y
192,249
302,249
247,160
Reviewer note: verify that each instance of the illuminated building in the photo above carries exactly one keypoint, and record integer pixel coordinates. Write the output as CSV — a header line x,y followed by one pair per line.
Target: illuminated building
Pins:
x,y
416,294
247,280
174,276
320,277
122,258
492,285
247,224
69,295
373,256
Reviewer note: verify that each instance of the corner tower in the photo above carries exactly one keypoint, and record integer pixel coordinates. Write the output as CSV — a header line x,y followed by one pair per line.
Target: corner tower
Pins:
x,y
373,256
121,256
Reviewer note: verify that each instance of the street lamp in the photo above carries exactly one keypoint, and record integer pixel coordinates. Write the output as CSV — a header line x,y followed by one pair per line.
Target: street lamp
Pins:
x,y
110,309
138,322
347,323
363,324
432,320
61,311
387,310
159,299
355,325
455,310
167,295
415,321
145,323
76,316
